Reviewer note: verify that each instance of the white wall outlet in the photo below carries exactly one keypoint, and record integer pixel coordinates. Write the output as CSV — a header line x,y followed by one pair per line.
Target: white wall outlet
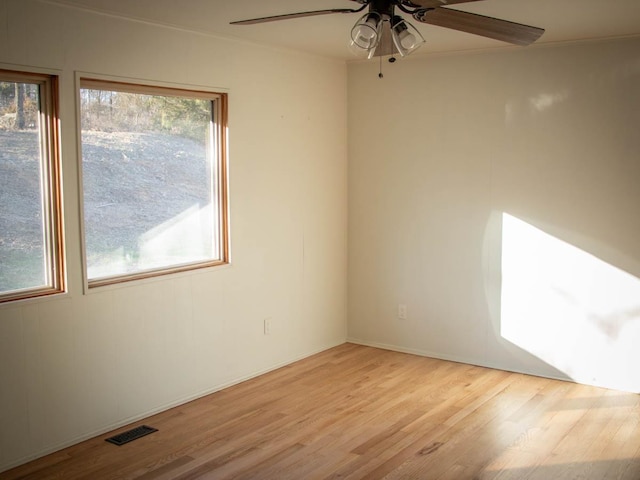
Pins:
x,y
267,326
402,311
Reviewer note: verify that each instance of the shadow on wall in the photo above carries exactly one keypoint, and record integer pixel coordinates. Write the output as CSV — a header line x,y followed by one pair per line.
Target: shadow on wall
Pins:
x,y
570,309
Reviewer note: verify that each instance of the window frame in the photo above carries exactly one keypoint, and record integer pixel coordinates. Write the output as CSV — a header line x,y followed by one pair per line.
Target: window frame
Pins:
x,y
219,169
50,185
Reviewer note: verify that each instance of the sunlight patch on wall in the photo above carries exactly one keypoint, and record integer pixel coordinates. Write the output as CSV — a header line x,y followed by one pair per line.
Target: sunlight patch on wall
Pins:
x,y
544,101
527,107
570,309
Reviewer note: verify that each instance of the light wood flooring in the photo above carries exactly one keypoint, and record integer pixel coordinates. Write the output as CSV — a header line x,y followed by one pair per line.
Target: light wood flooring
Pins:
x,y
358,412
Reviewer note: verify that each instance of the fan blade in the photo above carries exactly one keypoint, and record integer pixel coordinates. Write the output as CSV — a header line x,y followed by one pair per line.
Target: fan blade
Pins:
x,y
433,3
294,15
490,27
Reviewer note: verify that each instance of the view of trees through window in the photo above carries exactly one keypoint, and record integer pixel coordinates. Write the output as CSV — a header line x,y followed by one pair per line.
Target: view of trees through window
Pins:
x,y
112,111
150,179
22,253
29,258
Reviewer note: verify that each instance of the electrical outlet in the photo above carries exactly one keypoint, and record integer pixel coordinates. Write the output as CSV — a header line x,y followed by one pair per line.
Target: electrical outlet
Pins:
x,y
267,326
402,311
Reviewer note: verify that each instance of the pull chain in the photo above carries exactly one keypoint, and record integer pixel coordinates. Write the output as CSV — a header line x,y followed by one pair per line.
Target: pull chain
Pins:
x,y
380,75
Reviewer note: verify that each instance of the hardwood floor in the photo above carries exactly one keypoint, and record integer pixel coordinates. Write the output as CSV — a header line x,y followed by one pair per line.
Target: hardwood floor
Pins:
x,y
357,412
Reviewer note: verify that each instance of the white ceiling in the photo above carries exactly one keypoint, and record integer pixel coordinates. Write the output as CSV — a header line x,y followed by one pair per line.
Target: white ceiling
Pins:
x,y
327,35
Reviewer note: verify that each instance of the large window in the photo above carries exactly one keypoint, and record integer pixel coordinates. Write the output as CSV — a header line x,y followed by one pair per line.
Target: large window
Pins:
x,y
154,180
31,253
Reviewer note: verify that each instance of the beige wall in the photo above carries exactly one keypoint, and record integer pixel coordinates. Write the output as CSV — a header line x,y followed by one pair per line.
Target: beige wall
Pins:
x,y
77,365
496,195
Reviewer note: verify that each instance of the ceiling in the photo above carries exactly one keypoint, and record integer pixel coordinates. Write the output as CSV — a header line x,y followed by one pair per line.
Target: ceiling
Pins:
x,y
327,35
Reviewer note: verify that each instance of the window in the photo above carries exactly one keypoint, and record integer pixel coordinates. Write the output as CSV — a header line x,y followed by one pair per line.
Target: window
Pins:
x,y
31,252
154,180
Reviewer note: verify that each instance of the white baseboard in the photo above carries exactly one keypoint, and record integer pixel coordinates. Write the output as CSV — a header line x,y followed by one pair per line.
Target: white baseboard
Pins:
x,y
451,358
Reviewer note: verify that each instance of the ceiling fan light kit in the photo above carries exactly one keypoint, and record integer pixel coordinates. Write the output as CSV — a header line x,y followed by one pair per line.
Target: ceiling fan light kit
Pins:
x,y
366,33
406,37
381,32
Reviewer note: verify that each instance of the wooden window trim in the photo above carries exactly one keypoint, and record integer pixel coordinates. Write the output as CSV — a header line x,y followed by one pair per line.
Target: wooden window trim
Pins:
x,y
51,191
221,126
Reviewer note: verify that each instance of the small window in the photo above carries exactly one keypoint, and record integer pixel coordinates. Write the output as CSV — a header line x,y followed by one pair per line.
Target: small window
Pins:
x,y
154,180
31,246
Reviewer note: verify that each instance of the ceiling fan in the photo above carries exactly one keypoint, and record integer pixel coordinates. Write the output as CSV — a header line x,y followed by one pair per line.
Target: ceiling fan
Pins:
x,y
381,31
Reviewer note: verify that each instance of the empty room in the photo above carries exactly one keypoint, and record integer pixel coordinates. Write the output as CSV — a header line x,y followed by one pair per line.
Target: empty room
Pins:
x,y
354,239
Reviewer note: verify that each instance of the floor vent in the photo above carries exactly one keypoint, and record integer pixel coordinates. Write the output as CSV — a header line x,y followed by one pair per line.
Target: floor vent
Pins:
x,y
131,435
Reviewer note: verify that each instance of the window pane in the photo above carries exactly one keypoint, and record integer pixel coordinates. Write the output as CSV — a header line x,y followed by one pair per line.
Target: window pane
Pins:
x,y
149,179
28,225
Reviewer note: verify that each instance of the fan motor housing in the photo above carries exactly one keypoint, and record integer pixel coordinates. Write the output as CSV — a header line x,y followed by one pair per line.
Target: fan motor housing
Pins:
x,y
383,7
